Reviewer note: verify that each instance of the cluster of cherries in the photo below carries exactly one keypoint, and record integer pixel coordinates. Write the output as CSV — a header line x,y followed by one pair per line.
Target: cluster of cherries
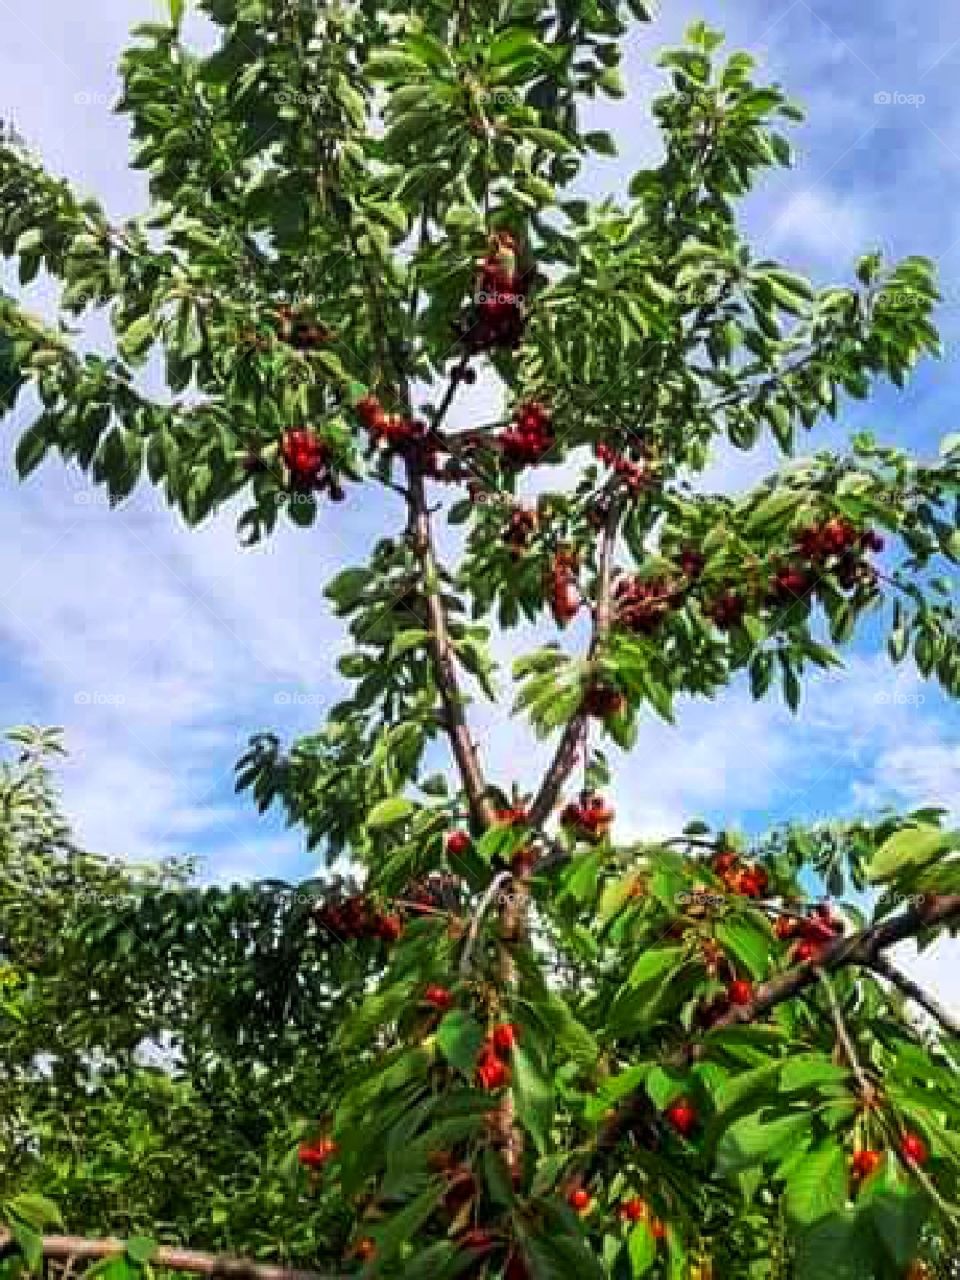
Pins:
x,y
564,593
308,461
438,891
531,435
358,917
836,546
493,1057
744,880
811,933
589,817
632,1210
497,316
632,472
641,604
391,429
867,1160
602,700
299,330
521,526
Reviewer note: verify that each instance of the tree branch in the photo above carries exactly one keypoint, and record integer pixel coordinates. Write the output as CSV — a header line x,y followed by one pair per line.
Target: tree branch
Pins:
x,y
441,648
885,967
565,757
72,1248
860,949
863,949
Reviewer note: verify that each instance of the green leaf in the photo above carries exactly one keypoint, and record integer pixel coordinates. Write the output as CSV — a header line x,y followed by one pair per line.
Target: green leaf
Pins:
x,y
754,1141
817,1185
141,1249
910,848
36,1210
389,812
534,1098
642,1248
176,11
459,1036
31,450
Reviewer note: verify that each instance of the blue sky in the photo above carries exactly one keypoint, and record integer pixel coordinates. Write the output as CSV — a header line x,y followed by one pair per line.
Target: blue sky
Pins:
x,y
160,649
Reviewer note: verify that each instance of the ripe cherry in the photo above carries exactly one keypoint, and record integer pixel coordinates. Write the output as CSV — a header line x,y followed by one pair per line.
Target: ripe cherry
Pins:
x,y
492,1073
438,996
785,927
682,1116
458,842
726,611
390,928
313,1155
866,1162
724,862
805,952
634,1209
516,1268
477,1240
658,1228
505,1037
602,701
523,862
740,991
913,1149
579,1199
365,1249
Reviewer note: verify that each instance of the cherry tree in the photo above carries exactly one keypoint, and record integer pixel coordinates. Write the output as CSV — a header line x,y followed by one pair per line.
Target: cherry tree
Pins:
x,y
571,1052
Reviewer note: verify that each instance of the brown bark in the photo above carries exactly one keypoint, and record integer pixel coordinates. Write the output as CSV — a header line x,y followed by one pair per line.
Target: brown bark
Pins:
x,y
78,1248
565,759
441,649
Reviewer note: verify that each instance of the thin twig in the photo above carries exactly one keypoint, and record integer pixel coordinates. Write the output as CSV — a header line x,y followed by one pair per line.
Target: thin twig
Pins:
x,y
913,991
483,906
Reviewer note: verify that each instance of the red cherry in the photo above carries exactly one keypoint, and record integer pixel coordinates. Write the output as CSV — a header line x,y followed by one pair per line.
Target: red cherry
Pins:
x,y
804,952
492,1074
785,928
740,991
658,1228
682,1116
458,842
438,996
634,1209
390,928
505,1038
913,1149
866,1162
724,862
516,1268
477,1240
365,1249
313,1155
579,1199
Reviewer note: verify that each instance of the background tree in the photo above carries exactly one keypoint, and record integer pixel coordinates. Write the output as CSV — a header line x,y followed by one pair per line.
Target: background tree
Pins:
x,y
579,1054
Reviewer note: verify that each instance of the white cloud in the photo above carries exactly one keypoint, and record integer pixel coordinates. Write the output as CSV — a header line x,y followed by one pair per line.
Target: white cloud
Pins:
x,y
833,227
